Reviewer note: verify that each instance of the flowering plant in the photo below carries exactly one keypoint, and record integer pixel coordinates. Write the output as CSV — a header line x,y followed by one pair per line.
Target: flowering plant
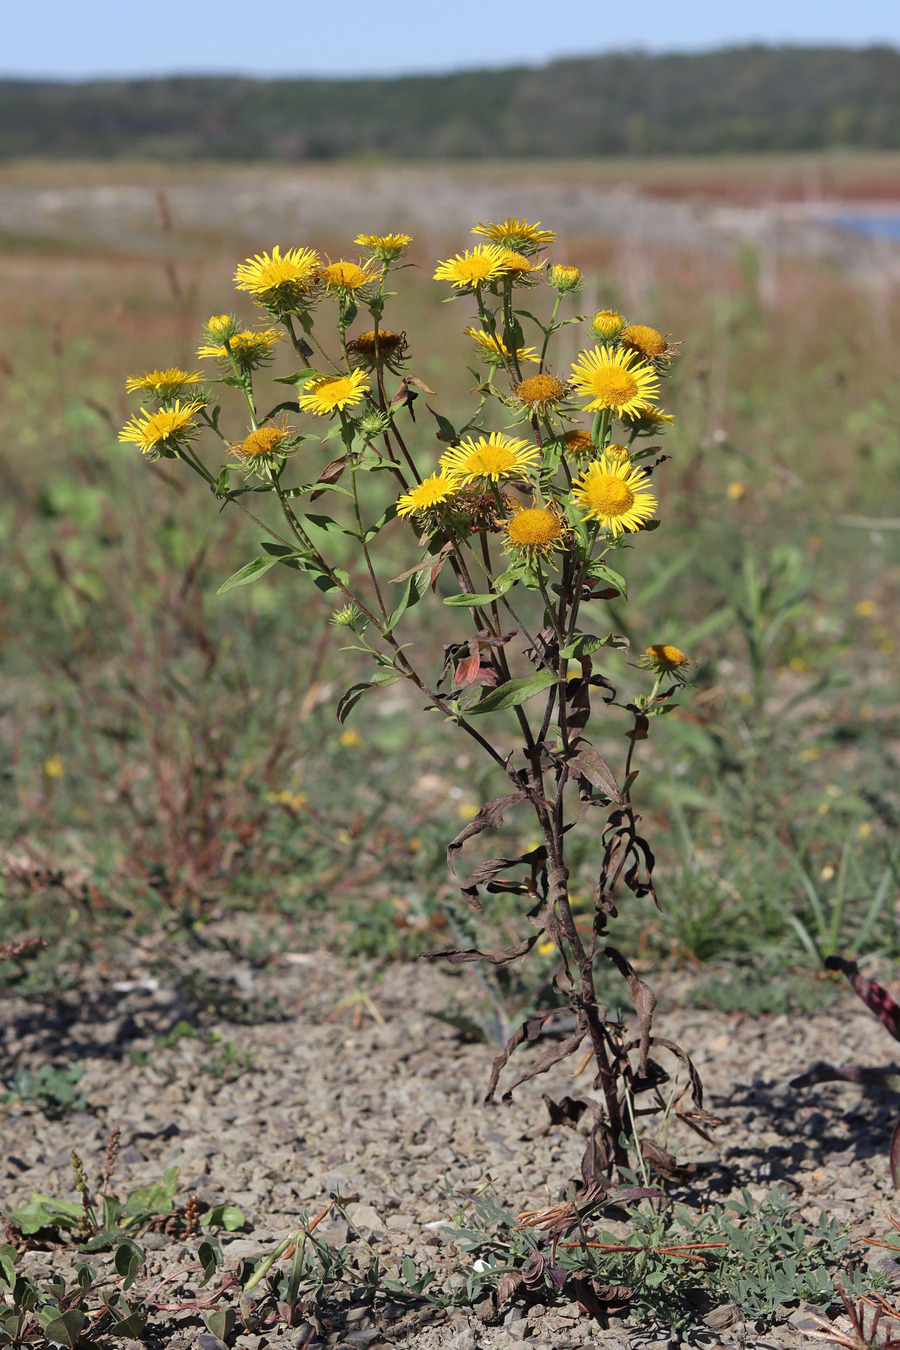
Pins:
x,y
513,522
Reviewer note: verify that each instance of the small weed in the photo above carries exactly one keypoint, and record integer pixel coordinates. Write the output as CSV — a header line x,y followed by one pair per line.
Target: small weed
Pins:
x,y
52,1088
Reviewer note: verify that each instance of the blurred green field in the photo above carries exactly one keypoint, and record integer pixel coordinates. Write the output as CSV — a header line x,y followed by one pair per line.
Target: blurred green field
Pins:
x,y
171,756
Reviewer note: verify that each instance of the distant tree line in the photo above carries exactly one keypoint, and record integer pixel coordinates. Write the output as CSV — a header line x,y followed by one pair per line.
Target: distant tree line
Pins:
x,y
739,99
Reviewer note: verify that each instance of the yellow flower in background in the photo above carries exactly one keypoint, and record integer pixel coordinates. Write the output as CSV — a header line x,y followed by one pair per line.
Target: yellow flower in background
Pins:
x,y
387,247
646,341
470,269
617,380
431,492
350,739
54,766
346,277
535,529
495,346
247,347
515,234
616,495
161,433
164,384
579,443
563,277
540,390
866,608
607,324
735,491
665,659
649,422
518,266
332,393
489,459
279,280
263,447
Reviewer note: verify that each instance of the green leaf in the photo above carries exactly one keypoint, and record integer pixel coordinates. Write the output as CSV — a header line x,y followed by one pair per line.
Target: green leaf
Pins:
x,y
129,1258
585,643
66,1328
158,1197
43,1211
387,516
228,1217
244,575
446,430
601,571
220,1322
415,588
514,692
299,377
349,701
467,601
8,1264
329,526
210,1256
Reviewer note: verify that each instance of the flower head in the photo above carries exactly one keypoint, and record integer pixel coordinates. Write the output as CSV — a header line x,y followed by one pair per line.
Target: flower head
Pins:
x,y
489,459
432,492
518,267
538,391
619,454
347,277
665,659
515,234
246,347
616,495
578,443
263,447
494,347
220,327
616,380
386,247
391,348
472,269
332,393
646,341
535,529
282,280
161,434
347,616
649,421
607,324
564,278
164,384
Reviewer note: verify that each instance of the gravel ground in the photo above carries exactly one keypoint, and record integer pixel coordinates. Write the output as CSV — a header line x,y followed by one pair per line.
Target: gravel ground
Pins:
x,y
392,1113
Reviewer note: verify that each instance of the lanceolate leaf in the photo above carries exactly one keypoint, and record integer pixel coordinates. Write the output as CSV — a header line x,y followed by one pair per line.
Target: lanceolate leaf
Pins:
x,y
356,691
595,769
585,643
514,692
249,572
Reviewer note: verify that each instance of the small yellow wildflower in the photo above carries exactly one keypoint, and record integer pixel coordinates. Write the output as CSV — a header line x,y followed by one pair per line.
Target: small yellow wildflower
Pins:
x,y
350,739
827,872
391,347
246,347
494,346
665,659
564,278
865,830
164,384
648,422
54,766
517,266
347,277
579,443
386,247
332,393
617,495
646,341
735,491
616,380
866,608
279,281
607,324
515,234
535,529
162,433
467,810
489,460
263,447
540,390
425,496
619,454
469,270
546,948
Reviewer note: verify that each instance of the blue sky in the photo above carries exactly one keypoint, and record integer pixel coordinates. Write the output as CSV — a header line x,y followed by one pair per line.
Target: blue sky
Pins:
x,y
73,39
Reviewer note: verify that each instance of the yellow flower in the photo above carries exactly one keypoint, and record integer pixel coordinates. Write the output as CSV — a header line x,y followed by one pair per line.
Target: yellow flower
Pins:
x,y
535,529
54,766
472,269
346,277
735,491
665,659
279,281
431,492
607,324
620,454
616,380
649,422
578,443
391,347
617,495
387,247
164,384
492,459
564,278
646,341
220,327
262,447
517,266
539,390
332,393
515,234
248,348
496,347
350,739
866,608
161,433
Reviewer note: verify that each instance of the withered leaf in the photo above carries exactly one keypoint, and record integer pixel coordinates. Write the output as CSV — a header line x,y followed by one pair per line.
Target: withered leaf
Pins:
x,y
533,1273
588,764
490,817
665,1163
643,1001
567,1111
330,474
460,956
875,996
